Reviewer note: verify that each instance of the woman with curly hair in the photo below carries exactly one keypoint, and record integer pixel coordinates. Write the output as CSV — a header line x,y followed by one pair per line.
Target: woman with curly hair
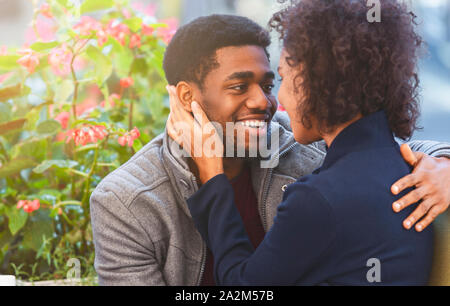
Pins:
x,y
353,84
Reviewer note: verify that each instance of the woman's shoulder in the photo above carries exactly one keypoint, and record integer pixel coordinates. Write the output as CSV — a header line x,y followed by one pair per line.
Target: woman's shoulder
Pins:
x,y
303,195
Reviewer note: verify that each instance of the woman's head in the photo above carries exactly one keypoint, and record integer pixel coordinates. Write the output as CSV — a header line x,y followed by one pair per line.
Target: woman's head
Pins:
x,y
336,65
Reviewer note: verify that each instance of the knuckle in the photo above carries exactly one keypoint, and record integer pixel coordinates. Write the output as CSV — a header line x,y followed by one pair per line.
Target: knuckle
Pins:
x,y
424,208
434,214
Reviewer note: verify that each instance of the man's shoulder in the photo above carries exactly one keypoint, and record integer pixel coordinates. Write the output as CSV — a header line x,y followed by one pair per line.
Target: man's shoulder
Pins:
x,y
145,171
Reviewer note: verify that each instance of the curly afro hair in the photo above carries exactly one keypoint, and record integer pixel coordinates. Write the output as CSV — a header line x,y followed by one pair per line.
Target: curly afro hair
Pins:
x,y
191,54
349,66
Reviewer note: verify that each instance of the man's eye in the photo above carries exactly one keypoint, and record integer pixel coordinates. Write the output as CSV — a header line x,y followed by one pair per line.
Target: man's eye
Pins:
x,y
268,88
239,87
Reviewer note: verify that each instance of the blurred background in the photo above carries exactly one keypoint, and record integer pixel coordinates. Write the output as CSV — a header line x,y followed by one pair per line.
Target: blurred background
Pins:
x,y
434,17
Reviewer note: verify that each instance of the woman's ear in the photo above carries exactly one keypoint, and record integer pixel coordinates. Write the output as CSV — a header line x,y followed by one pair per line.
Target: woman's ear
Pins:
x,y
185,94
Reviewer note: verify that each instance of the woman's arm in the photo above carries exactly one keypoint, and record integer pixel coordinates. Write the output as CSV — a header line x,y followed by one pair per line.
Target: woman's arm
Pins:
x,y
301,236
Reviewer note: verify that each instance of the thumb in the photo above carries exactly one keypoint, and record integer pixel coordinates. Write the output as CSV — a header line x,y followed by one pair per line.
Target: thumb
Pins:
x,y
408,155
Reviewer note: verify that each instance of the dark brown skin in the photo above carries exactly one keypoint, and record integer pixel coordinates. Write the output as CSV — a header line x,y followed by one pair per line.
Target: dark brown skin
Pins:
x,y
431,177
241,88
225,100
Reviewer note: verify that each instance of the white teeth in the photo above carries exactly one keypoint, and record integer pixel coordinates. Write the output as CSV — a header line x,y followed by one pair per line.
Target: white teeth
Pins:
x,y
254,124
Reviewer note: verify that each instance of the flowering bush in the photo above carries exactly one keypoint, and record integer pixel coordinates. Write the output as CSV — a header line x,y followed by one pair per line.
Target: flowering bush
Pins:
x,y
83,94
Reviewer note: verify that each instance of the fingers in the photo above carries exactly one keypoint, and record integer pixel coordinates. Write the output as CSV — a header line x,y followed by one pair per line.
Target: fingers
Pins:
x,y
411,198
419,213
199,114
406,182
434,212
408,155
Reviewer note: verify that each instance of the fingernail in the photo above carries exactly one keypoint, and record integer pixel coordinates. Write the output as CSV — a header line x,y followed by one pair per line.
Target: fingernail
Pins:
x,y
419,228
194,104
397,207
408,224
395,189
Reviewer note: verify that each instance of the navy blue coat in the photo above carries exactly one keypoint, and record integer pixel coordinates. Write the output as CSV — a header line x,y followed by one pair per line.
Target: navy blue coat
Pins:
x,y
334,227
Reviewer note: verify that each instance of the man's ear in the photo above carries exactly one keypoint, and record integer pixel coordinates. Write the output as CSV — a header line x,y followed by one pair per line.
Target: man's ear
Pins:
x,y
186,94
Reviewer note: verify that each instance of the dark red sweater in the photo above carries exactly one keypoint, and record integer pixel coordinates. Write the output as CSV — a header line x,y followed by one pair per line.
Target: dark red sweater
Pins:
x,y
247,204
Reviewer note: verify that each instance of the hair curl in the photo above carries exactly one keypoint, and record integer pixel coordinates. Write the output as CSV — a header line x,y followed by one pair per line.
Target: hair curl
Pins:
x,y
349,66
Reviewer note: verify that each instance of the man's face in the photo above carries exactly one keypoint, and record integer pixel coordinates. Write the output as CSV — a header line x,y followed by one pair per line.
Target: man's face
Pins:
x,y
240,92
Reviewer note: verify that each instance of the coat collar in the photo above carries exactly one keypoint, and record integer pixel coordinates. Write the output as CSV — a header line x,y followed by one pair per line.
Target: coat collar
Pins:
x,y
367,133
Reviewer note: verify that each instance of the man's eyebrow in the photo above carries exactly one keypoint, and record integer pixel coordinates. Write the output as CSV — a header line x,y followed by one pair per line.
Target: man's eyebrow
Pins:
x,y
249,75
241,75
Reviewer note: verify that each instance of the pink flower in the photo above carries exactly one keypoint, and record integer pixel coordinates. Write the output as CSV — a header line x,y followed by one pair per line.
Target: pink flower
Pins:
x,y
148,10
46,10
129,137
3,50
102,38
87,134
46,28
60,60
30,59
122,141
87,25
21,203
135,133
111,100
126,82
126,13
29,206
63,118
147,30
135,41
281,108
119,31
166,34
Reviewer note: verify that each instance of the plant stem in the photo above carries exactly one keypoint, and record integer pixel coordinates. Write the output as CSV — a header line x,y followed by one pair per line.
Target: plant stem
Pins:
x,y
130,115
75,92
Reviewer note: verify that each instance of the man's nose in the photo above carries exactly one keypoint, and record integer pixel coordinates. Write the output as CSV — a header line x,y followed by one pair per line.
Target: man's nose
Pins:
x,y
258,100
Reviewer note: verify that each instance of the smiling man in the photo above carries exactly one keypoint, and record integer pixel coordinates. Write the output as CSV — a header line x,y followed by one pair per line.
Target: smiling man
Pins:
x,y
143,231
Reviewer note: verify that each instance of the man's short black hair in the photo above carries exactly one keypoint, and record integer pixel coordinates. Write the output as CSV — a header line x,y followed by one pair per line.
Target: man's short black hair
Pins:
x,y
191,54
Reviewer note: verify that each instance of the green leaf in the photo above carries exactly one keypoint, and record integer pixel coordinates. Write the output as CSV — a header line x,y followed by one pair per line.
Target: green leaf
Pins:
x,y
44,46
48,127
33,148
137,145
64,3
47,164
15,166
17,219
64,91
5,112
9,62
134,23
103,64
123,62
6,192
95,5
38,227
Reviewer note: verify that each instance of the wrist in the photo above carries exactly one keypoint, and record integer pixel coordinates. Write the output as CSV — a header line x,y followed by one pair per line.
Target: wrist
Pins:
x,y
210,173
